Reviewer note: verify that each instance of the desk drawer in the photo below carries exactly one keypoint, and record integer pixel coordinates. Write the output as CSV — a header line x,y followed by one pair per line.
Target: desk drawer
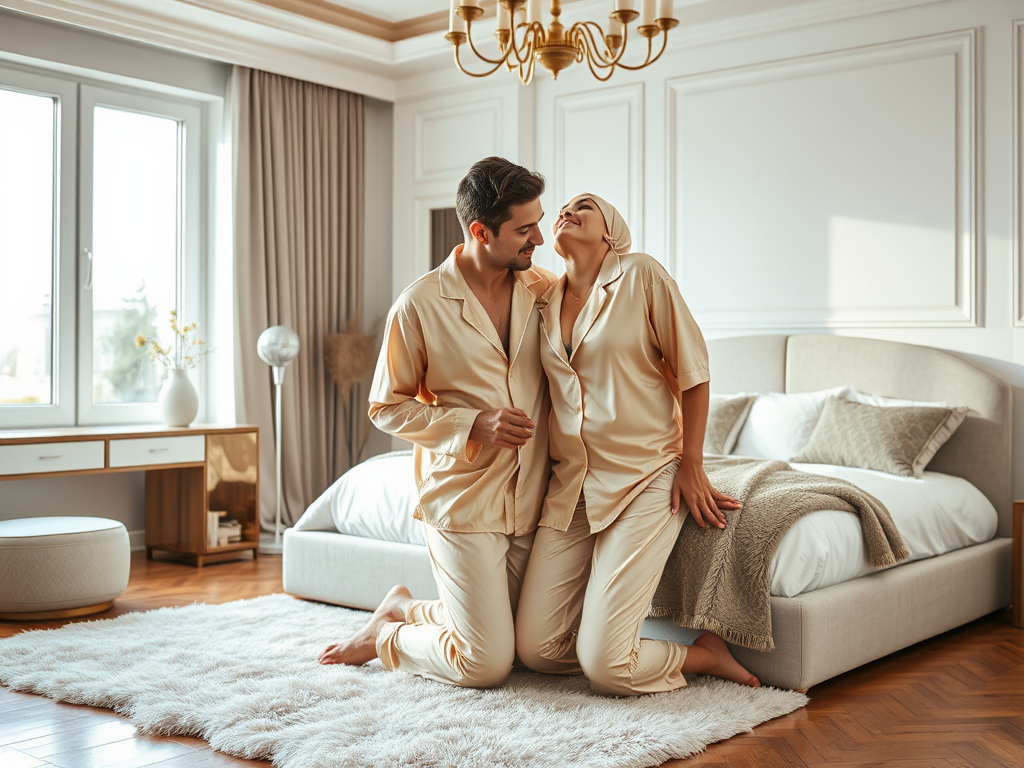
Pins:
x,y
147,451
40,458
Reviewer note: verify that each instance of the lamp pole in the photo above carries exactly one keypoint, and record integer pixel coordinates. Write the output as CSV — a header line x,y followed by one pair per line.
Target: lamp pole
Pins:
x,y
277,347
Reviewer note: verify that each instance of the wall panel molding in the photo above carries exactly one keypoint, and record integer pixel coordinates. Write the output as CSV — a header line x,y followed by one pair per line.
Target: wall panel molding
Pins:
x,y
481,119
792,17
962,310
570,110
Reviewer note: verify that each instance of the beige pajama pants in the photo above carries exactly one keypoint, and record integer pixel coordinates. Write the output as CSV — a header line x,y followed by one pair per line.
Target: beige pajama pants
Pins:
x,y
466,637
586,595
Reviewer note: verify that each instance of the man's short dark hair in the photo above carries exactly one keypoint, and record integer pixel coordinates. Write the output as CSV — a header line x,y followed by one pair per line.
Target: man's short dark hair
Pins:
x,y
490,189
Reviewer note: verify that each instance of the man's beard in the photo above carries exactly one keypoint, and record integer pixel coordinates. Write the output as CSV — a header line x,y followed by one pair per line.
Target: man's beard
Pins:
x,y
522,261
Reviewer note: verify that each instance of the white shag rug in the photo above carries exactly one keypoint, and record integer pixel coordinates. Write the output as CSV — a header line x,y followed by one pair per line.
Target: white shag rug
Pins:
x,y
244,676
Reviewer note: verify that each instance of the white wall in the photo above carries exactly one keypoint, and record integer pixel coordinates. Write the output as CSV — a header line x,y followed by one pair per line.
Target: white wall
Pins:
x,y
849,170
378,221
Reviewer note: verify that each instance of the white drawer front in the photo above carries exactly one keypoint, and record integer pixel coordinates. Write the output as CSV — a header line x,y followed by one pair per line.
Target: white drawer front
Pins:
x,y
145,451
33,458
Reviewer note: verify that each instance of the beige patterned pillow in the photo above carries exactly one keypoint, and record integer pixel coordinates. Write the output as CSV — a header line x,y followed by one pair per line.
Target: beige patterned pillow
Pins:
x,y
893,439
726,415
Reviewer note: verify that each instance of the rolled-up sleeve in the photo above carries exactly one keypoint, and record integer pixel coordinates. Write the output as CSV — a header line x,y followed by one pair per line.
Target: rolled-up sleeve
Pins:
x,y
678,336
401,405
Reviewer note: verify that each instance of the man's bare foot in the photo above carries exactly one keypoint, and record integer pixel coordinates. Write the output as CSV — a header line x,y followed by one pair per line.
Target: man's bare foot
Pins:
x,y
362,646
722,663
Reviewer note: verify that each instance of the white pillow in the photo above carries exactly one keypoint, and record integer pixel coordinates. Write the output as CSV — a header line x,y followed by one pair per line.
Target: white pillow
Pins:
x,y
779,425
888,402
374,499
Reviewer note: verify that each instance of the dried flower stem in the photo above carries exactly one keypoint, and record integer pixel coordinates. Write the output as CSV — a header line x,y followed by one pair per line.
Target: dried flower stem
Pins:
x,y
184,352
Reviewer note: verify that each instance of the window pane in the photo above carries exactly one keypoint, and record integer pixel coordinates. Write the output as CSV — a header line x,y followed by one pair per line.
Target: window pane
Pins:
x,y
27,248
135,249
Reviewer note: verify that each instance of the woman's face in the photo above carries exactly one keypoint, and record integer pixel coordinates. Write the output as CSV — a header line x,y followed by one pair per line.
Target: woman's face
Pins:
x,y
579,227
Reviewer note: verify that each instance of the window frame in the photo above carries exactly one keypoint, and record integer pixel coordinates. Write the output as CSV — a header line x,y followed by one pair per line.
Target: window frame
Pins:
x,y
72,341
187,272
61,411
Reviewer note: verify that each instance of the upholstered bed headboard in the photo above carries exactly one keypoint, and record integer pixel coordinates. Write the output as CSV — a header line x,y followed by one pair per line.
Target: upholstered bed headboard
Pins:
x,y
980,449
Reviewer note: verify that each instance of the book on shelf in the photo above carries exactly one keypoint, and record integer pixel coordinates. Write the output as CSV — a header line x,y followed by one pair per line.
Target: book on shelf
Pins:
x,y
213,518
229,531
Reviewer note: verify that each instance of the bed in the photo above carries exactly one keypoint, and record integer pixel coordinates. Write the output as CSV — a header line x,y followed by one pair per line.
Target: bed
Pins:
x,y
828,615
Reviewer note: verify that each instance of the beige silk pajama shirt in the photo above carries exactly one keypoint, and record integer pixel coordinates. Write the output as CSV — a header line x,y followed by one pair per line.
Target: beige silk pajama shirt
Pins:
x,y
616,439
440,366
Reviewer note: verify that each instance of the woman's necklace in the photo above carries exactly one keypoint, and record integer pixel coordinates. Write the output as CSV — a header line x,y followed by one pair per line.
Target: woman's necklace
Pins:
x,y
574,296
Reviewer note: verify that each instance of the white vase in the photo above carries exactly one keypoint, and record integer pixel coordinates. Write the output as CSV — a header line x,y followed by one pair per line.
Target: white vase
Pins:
x,y
179,401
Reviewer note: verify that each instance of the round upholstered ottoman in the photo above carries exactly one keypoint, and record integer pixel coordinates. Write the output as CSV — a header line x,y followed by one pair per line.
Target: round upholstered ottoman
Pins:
x,y
56,567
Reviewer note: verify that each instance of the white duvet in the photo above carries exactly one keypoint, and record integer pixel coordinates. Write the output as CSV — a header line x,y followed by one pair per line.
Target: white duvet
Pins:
x,y
935,514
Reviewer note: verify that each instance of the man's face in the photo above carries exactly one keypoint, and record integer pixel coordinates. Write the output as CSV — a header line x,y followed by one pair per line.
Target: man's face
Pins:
x,y
512,247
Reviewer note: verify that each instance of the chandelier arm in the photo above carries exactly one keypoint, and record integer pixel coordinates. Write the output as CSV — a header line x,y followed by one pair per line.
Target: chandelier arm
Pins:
x,y
649,60
584,44
606,59
599,76
465,71
472,46
531,65
529,39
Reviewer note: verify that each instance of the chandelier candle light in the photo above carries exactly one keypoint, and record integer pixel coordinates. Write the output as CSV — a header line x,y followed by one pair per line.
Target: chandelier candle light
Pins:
x,y
523,40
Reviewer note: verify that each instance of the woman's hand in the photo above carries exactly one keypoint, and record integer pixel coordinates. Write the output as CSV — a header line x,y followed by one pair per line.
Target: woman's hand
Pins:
x,y
704,501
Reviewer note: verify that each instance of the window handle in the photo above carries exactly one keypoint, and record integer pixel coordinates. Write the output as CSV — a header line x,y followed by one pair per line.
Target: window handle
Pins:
x,y
87,285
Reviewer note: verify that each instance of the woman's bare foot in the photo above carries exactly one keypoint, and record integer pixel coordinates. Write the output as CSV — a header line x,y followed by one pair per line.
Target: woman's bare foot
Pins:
x,y
362,646
719,661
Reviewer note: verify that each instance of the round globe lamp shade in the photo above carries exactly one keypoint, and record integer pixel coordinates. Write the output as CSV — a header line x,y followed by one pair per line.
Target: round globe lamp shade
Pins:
x,y
278,345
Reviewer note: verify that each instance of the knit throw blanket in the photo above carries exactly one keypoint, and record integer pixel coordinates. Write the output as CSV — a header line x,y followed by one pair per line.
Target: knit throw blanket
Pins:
x,y
718,580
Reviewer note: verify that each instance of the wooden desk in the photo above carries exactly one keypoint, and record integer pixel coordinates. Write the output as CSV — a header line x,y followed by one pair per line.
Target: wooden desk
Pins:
x,y
188,470
1018,564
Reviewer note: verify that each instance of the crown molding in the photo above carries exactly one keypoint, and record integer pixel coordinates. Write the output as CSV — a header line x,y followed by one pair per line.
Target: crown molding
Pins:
x,y
216,29
264,36
334,13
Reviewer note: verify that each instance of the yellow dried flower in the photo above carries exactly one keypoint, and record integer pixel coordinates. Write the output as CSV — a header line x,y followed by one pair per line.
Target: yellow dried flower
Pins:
x,y
185,349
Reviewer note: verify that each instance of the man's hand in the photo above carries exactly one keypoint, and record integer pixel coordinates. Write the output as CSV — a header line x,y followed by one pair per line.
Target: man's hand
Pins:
x,y
693,487
502,428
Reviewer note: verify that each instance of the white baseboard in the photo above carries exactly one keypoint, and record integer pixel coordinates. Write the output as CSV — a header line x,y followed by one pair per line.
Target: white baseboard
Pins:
x,y
136,540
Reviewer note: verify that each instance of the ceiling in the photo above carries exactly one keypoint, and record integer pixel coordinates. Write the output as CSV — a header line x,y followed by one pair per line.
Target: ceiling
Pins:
x,y
393,10
389,20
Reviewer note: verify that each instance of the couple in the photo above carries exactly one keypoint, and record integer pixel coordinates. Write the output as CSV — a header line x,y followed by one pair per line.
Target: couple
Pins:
x,y
471,351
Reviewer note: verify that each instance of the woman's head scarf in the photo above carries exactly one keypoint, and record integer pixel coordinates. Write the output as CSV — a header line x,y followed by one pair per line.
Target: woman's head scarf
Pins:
x,y
618,236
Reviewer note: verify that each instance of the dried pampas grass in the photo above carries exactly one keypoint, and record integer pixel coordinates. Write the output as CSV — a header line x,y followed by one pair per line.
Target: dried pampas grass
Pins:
x,y
350,356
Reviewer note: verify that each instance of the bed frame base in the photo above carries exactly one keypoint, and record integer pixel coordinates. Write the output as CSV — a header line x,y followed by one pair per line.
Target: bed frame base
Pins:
x,y
818,635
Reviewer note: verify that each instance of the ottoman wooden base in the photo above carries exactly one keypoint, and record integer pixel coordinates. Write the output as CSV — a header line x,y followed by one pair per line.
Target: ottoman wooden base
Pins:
x,y
67,613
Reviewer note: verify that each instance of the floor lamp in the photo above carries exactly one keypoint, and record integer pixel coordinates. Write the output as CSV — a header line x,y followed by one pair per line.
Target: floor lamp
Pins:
x,y
277,346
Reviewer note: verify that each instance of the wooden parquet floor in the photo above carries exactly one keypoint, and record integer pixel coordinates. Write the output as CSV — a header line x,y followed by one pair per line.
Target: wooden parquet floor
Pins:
x,y
954,700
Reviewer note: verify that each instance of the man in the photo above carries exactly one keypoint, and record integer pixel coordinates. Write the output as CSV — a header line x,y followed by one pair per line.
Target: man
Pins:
x,y
459,376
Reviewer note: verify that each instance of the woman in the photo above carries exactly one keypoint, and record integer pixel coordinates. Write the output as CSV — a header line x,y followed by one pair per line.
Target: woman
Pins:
x,y
628,374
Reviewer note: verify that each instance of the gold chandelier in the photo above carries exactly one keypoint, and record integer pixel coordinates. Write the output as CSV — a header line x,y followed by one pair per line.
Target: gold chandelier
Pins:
x,y
523,40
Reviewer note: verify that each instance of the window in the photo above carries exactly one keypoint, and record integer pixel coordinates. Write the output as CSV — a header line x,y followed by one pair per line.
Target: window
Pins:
x,y
101,218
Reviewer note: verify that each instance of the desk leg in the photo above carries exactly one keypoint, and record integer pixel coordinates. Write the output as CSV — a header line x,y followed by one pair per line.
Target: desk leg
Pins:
x,y
1018,564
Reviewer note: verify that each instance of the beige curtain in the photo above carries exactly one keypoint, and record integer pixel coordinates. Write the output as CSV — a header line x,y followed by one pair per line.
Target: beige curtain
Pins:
x,y
445,234
298,229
